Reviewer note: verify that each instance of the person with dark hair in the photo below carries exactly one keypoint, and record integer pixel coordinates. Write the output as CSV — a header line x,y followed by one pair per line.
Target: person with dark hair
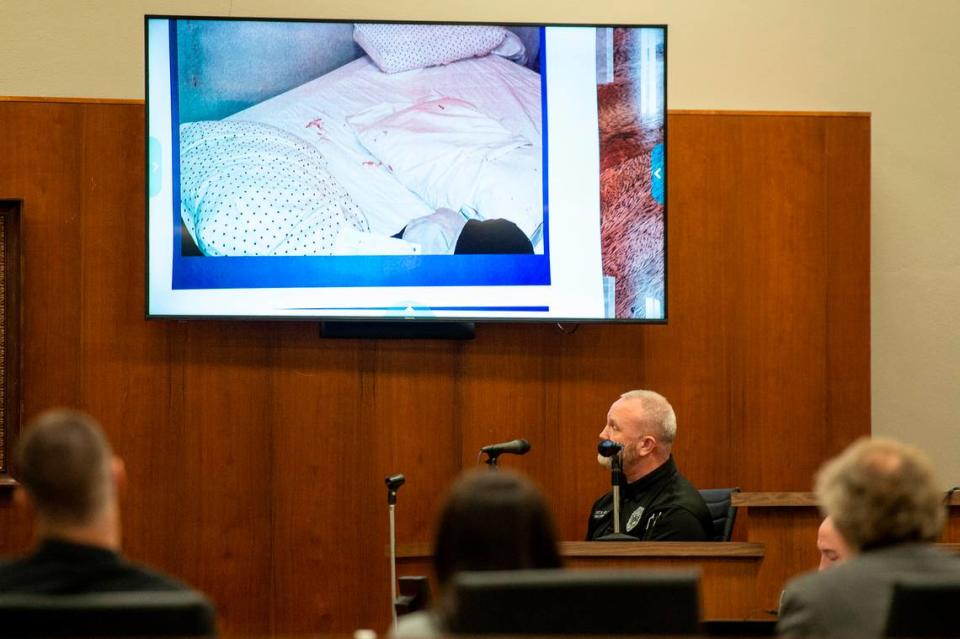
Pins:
x,y
884,499
69,472
489,521
657,502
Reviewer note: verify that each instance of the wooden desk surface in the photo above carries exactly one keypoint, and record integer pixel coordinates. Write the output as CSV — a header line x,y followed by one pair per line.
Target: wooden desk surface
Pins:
x,y
626,549
799,500
660,549
785,499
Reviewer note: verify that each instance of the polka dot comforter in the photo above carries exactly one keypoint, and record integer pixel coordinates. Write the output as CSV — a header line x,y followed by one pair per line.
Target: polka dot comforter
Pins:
x,y
248,188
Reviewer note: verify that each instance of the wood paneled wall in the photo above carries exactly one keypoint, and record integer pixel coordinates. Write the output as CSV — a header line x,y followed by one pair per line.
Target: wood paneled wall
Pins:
x,y
256,452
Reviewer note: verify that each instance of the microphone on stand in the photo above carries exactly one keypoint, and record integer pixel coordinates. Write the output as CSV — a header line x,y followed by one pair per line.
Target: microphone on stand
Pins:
x,y
393,482
514,447
609,448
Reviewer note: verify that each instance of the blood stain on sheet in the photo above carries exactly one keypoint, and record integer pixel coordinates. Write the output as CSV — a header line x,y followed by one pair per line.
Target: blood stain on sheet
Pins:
x,y
317,123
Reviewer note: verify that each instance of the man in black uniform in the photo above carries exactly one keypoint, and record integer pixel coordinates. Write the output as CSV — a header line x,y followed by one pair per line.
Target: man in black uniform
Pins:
x,y
71,476
657,503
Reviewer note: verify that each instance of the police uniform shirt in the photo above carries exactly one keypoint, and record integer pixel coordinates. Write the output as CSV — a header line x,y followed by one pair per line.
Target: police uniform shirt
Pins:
x,y
661,506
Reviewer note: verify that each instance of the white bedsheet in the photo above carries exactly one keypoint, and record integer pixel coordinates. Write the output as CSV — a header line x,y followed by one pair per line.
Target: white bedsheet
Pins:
x,y
317,110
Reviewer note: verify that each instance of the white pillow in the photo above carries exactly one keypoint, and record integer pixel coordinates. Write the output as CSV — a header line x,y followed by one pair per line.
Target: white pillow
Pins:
x,y
401,47
248,188
453,156
512,48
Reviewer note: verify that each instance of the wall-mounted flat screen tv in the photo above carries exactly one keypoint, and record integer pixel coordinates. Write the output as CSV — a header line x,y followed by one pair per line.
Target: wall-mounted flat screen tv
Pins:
x,y
369,170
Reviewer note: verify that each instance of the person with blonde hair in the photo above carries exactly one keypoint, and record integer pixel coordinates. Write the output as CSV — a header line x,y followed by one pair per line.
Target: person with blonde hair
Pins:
x,y
883,498
657,502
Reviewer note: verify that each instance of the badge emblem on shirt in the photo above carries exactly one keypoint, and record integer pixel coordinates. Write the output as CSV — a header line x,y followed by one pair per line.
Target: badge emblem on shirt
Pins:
x,y
600,514
635,517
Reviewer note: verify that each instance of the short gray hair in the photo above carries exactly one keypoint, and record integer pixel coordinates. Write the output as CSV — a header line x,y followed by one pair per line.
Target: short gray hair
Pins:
x,y
63,461
881,492
658,412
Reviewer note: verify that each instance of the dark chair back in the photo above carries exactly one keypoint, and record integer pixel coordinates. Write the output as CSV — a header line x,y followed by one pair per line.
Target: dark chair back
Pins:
x,y
107,614
576,602
722,511
413,596
739,628
924,607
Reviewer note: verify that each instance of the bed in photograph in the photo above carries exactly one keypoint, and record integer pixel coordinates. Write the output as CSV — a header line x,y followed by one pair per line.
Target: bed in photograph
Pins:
x,y
359,156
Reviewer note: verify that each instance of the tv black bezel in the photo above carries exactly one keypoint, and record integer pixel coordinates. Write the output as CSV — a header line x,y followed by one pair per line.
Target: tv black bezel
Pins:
x,y
367,320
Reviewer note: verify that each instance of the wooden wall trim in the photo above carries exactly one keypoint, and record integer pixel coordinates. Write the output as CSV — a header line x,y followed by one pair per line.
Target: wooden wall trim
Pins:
x,y
61,100
11,312
804,114
776,114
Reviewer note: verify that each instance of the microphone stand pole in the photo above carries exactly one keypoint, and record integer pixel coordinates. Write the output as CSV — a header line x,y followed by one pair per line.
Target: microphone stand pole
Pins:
x,y
616,472
616,477
393,484
391,506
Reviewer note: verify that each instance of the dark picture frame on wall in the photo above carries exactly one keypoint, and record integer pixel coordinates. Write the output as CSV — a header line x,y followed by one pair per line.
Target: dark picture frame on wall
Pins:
x,y
11,278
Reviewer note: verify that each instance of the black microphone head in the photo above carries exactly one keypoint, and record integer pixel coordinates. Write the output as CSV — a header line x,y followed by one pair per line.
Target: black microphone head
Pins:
x,y
609,448
514,447
395,481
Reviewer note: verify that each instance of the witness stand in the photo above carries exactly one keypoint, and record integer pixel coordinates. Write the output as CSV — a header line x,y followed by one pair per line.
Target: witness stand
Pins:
x,y
774,539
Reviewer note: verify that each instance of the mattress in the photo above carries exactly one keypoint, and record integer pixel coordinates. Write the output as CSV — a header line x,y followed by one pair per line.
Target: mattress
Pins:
x,y
317,113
